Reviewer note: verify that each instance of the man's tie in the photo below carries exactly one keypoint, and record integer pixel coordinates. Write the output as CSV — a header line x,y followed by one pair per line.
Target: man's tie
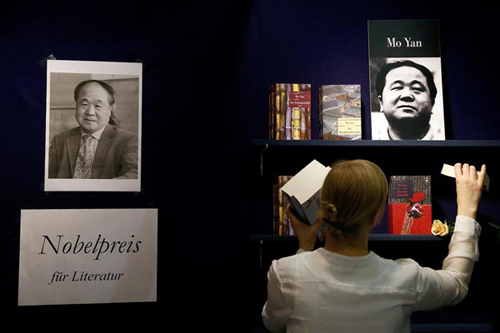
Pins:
x,y
83,168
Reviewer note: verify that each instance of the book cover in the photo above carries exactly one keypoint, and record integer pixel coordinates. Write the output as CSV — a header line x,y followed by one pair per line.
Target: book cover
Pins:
x,y
303,189
410,205
290,111
406,91
340,112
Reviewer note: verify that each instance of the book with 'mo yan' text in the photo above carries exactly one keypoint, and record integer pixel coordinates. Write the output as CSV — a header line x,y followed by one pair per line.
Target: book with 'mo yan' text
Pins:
x,y
290,111
340,112
410,205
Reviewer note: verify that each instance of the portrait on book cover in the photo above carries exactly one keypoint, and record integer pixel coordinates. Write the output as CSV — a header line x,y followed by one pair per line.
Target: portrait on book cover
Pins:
x,y
407,99
93,126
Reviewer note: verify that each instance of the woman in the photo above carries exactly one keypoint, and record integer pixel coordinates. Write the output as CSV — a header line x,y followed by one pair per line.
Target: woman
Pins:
x,y
343,287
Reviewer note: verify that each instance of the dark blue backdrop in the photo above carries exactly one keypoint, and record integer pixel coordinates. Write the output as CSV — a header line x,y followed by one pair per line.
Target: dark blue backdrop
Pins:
x,y
207,69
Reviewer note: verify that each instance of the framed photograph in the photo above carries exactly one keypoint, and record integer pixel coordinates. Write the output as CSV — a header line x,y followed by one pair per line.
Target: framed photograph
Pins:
x,y
93,126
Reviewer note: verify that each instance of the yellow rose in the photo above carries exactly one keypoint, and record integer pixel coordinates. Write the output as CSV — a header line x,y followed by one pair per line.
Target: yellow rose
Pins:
x,y
439,228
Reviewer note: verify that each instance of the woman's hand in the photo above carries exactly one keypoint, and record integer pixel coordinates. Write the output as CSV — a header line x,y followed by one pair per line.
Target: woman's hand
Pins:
x,y
305,232
469,188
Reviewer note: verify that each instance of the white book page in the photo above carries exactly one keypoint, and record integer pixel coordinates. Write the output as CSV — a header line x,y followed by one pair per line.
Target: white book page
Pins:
x,y
306,182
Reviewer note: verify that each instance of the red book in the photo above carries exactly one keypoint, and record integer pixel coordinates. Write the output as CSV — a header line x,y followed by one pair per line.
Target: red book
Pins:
x,y
410,205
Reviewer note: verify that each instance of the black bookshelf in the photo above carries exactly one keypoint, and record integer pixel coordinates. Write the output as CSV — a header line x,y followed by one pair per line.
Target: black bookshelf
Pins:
x,y
372,238
270,157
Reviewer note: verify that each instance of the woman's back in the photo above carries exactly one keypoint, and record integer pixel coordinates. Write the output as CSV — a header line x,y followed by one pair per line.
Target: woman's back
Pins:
x,y
345,288
327,292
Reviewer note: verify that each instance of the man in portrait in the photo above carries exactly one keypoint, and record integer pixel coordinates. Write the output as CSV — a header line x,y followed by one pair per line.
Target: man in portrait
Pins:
x,y
97,148
406,93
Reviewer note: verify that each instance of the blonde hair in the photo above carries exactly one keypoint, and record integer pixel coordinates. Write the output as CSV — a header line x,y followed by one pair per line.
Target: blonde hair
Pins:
x,y
353,193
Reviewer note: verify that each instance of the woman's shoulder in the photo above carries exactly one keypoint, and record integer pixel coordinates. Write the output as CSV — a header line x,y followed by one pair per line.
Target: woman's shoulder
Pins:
x,y
403,273
288,267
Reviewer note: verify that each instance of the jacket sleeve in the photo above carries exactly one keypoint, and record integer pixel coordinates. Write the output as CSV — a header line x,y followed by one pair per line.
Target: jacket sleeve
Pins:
x,y
53,159
449,286
129,159
276,310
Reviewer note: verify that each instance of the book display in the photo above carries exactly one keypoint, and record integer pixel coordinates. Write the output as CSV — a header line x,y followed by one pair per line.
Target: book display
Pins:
x,y
340,112
411,225
408,140
290,111
406,104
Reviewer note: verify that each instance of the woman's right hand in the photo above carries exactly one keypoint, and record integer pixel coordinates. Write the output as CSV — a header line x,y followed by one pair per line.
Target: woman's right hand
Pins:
x,y
469,188
306,233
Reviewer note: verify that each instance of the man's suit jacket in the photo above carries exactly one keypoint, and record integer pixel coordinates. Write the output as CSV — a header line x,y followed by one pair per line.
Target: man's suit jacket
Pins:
x,y
116,155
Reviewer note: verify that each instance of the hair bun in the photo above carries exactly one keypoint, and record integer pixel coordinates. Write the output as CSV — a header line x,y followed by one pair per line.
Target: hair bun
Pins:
x,y
331,212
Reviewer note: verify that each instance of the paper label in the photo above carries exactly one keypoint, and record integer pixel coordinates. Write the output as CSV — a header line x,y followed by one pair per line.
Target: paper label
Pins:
x,y
402,189
349,126
299,99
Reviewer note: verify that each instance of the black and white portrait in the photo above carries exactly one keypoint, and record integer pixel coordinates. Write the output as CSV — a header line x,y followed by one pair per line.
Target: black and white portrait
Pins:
x,y
93,126
406,99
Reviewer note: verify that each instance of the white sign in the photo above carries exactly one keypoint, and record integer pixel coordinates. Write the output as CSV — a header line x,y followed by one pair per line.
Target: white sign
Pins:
x,y
88,256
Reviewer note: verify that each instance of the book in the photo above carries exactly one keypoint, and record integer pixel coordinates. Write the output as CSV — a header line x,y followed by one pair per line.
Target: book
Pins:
x,y
303,189
449,171
410,47
290,111
410,205
281,222
340,112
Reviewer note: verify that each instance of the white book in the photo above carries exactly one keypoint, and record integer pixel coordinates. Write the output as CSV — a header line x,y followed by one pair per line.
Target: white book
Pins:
x,y
303,190
449,170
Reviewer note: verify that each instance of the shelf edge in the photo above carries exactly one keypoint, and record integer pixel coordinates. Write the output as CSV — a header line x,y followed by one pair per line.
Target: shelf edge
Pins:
x,y
372,238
